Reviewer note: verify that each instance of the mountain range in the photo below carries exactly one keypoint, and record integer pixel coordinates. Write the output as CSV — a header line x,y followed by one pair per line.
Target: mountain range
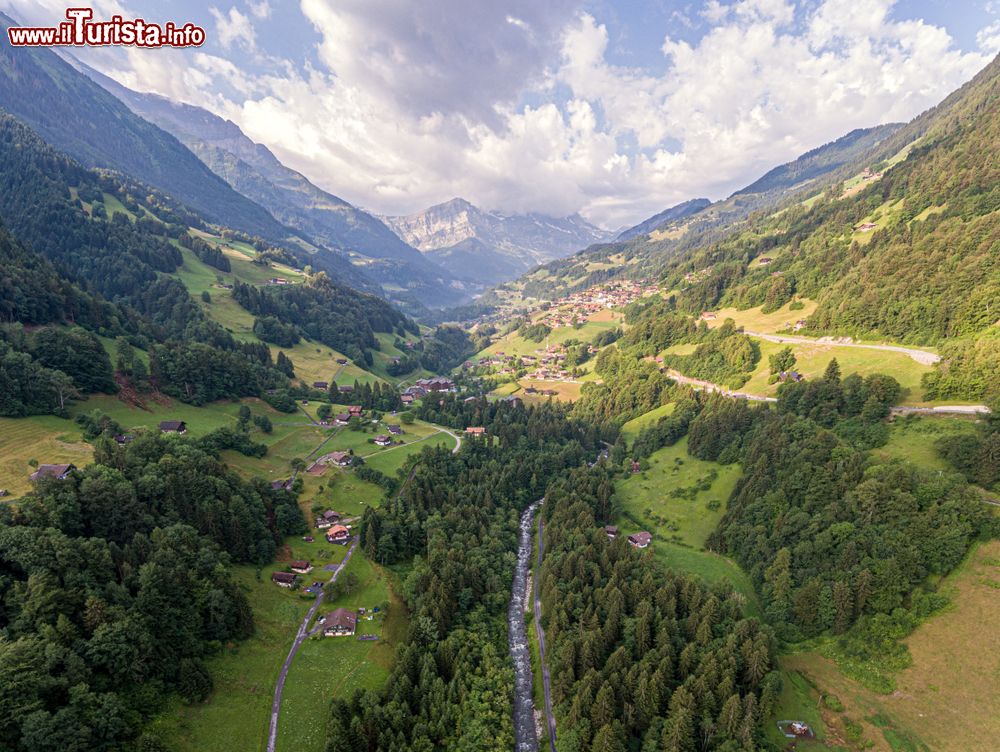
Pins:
x,y
464,248
486,246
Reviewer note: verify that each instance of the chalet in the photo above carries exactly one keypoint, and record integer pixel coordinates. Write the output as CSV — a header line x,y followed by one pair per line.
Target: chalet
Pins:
x,y
475,431
790,376
339,623
866,227
530,390
328,519
324,385
59,472
611,531
337,534
281,485
395,430
340,459
173,426
383,440
799,325
709,316
640,539
277,281
636,467
342,419
124,438
341,361
407,399
765,260
283,579
300,567
345,388
355,411
437,384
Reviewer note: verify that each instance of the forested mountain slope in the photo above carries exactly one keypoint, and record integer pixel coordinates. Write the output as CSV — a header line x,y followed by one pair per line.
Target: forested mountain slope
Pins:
x,y
646,252
911,257
253,170
104,253
77,116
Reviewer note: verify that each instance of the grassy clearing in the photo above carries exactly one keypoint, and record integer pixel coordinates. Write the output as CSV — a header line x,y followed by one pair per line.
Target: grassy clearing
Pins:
x,y
236,715
565,390
515,344
912,438
813,358
632,429
43,438
328,667
946,700
680,500
754,320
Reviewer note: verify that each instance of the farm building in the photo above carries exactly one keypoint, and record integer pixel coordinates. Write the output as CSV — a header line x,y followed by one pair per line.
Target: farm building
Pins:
x,y
59,472
339,623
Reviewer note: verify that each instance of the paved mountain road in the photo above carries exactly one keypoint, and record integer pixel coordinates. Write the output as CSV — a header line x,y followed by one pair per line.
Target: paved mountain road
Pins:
x,y
300,637
921,356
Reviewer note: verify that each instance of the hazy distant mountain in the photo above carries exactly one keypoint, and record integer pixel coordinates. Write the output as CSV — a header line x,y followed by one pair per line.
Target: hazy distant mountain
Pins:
x,y
488,247
680,211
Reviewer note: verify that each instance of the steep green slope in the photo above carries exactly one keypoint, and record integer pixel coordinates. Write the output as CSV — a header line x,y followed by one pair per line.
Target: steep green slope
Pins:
x,y
252,170
911,257
647,252
77,116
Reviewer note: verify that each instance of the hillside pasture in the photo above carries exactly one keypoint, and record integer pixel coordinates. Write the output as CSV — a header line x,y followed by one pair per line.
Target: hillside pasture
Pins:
x,y
45,439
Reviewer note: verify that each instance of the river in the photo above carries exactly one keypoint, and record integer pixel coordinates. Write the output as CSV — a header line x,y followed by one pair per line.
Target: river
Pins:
x,y
525,736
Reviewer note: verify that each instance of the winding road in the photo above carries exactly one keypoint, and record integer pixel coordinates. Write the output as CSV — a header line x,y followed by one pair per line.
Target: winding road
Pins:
x,y
708,386
300,637
921,356
540,634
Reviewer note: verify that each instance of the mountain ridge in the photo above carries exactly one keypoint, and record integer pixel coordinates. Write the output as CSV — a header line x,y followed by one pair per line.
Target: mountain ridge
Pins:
x,y
519,241
254,171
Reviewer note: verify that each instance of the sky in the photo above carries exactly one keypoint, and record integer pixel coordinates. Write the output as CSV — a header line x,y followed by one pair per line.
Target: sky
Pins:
x,y
611,108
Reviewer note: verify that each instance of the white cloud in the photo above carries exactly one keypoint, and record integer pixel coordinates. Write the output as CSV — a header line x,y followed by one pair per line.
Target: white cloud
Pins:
x,y
234,27
518,106
260,9
988,39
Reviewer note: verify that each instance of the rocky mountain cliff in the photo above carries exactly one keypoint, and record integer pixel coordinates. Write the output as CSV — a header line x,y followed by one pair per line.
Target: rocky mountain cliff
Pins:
x,y
488,247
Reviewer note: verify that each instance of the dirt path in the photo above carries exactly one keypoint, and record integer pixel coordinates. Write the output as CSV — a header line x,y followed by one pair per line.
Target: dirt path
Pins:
x,y
920,356
300,637
540,634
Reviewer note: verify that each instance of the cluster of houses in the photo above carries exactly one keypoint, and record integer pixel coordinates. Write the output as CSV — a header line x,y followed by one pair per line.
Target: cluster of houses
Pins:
x,y
642,539
692,277
423,387
579,306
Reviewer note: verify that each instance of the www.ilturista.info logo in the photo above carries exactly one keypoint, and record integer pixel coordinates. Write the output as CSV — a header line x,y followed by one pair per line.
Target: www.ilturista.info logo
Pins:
x,y
80,30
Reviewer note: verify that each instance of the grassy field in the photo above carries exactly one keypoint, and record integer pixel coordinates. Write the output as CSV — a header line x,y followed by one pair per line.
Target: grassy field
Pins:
x,y
515,344
766,323
328,667
567,391
236,715
45,439
632,429
813,358
675,500
912,438
947,699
